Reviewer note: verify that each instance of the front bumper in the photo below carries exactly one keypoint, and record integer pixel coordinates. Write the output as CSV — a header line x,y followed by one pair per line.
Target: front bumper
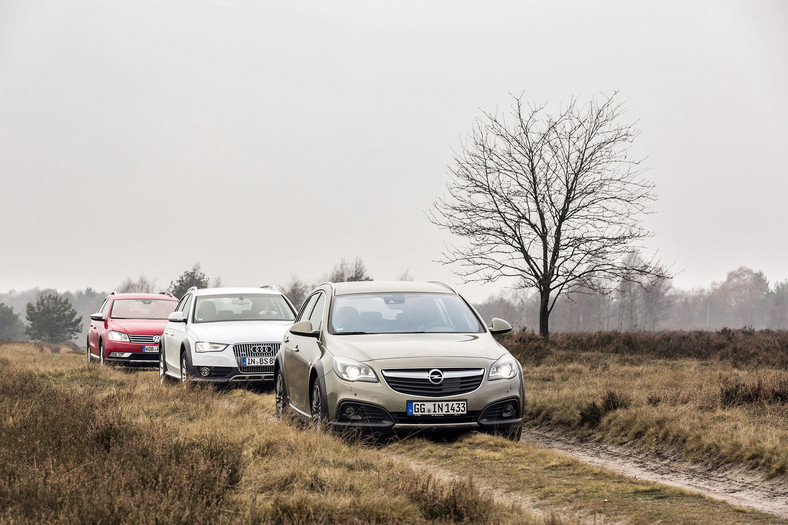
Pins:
x,y
130,353
226,367
379,407
500,415
228,374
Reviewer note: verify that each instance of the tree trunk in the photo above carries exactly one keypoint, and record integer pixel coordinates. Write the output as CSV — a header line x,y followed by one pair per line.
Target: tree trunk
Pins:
x,y
544,315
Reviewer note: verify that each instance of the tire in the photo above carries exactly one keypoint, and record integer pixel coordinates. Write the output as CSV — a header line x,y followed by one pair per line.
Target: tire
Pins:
x,y
185,375
101,353
515,432
163,377
319,412
511,432
280,394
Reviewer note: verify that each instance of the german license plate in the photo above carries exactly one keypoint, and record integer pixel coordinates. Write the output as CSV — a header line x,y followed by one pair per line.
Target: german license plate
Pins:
x,y
150,348
257,361
437,408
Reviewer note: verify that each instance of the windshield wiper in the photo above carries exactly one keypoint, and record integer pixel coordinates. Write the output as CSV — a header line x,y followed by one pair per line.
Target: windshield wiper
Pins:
x,y
352,333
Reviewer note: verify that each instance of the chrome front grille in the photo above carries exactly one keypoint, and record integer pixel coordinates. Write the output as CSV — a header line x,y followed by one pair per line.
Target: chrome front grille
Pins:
x,y
242,350
416,381
143,339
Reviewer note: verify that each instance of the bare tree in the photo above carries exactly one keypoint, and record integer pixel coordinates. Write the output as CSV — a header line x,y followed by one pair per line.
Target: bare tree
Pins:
x,y
141,285
345,272
296,290
551,201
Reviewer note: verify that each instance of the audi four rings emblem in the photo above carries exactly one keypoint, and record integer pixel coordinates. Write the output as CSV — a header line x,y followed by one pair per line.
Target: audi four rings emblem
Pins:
x,y
435,376
261,348
156,338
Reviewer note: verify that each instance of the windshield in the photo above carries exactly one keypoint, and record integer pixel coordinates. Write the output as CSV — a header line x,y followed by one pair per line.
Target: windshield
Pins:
x,y
242,307
142,308
398,313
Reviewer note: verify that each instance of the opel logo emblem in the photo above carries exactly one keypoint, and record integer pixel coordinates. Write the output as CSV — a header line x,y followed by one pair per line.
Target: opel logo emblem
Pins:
x,y
435,376
156,338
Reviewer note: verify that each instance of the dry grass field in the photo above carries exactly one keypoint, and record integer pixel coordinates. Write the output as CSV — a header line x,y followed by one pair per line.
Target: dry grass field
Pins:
x,y
719,398
88,444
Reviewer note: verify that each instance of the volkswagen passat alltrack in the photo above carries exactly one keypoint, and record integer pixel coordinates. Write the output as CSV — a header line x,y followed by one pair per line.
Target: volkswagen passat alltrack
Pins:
x,y
391,356
221,335
127,328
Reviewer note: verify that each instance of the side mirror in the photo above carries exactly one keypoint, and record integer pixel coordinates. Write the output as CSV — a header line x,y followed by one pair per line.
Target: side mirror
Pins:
x,y
98,316
499,326
304,328
176,317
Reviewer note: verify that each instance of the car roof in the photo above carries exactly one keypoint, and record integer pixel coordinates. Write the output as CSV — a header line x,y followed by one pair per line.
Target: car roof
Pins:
x,y
391,287
136,295
236,291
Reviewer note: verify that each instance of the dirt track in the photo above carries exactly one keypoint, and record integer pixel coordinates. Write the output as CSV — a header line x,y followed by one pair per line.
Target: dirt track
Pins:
x,y
737,487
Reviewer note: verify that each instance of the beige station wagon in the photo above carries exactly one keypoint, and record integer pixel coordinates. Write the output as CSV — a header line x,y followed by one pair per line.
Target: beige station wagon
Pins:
x,y
391,356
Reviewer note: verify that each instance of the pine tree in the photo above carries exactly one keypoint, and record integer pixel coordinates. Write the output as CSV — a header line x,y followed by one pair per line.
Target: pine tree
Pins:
x,y
189,278
11,326
52,319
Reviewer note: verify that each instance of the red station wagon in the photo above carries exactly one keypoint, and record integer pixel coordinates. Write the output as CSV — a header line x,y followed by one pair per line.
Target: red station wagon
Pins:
x,y
128,326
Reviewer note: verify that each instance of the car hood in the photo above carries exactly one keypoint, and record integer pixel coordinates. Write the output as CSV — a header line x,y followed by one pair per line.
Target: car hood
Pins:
x,y
240,331
393,350
138,326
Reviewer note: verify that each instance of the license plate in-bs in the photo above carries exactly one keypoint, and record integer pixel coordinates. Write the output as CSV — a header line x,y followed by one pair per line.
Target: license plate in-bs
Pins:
x,y
437,408
257,361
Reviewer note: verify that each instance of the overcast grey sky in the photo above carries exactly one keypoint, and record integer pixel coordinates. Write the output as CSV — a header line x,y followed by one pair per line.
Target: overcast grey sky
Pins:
x,y
266,140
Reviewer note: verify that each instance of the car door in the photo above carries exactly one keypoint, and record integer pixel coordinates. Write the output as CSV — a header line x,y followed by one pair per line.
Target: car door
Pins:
x,y
289,343
305,351
97,327
175,333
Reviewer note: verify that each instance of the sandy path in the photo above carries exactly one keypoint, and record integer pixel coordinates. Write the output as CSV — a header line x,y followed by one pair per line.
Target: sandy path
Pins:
x,y
735,486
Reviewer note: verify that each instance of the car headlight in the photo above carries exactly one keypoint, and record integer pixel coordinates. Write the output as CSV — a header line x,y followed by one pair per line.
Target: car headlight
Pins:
x,y
118,336
351,370
203,346
504,368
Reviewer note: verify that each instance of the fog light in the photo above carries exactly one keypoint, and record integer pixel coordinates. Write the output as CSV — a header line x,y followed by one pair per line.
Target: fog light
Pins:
x,y
350,411
119,354
508,411
205,371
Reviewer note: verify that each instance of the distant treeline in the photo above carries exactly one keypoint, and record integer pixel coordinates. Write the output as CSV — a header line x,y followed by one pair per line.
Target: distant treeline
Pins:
x,y
744,299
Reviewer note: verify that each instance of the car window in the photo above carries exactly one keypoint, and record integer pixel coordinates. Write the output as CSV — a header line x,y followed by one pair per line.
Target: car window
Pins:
x,y
309,304
142,308
179,308
104,307
316,316
402,313
187,305
242,307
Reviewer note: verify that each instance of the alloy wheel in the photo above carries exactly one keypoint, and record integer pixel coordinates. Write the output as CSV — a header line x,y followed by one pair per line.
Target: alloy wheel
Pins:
x,y
318,411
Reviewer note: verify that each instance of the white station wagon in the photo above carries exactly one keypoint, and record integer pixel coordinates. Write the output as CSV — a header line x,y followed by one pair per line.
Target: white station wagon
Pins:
x,y
221,335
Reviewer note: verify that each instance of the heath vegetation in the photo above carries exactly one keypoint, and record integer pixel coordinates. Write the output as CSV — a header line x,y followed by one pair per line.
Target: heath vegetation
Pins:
x,y
718,397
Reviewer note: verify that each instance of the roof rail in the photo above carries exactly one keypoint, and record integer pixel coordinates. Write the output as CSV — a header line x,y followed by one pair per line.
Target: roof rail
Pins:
x,y
447,286
192,289
270,287
167,293
330,285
